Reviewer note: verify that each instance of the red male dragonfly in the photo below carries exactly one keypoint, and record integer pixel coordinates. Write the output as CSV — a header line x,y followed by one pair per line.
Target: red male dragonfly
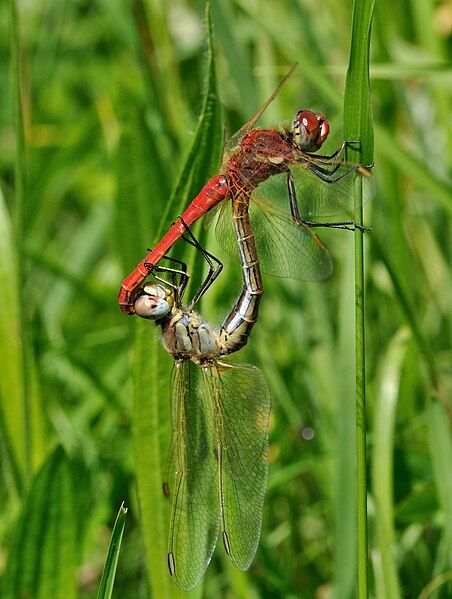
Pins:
x,y
267,171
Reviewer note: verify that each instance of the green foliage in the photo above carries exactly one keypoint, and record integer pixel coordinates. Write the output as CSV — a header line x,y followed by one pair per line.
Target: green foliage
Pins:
x,y
151,415
113,148
12,436
358,126
46,545
109,572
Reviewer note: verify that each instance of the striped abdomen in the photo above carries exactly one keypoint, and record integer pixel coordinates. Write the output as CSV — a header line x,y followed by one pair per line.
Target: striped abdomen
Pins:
x,y
236,328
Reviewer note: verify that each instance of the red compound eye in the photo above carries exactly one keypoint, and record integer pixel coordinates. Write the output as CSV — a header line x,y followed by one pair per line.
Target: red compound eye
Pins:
x,y
310,130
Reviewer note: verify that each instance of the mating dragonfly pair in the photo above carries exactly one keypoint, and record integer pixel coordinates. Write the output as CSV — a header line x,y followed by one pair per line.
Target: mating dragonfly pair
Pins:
x,y
270,186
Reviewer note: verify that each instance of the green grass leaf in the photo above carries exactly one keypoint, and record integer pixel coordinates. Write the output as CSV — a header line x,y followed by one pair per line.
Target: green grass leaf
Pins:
x,y
388,584
143,188
45,547
11,381
111,562
203,156
151,417
358,126
94,128
414,168
345,487
441,455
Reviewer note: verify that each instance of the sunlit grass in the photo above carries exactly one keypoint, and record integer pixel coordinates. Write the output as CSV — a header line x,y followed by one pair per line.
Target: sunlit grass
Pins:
x,y
110,101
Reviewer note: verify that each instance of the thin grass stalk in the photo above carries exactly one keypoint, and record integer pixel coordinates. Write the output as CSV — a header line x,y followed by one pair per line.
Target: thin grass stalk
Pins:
x,y
388,584
19,197
358,126
109,572
360,356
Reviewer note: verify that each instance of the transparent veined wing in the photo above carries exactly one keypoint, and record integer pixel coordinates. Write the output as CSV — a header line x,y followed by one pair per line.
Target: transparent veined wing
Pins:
x,y
237,137
285,249
220,419
242,409
316,197
195,517
212,214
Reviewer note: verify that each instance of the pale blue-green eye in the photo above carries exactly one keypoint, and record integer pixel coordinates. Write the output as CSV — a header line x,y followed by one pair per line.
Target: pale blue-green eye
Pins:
x,y
151,306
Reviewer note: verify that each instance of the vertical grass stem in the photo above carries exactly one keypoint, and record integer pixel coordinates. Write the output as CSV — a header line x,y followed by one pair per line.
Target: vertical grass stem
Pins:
x,y
19,196
361,453
358,125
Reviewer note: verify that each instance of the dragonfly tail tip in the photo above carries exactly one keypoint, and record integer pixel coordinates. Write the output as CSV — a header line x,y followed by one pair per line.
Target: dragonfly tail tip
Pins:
x,y
225,538
171,564
166,490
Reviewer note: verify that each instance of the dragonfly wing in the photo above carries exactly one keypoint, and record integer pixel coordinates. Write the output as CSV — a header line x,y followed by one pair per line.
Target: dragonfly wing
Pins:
x,y
195,517
242,405
211,215
224,230
285,249
237,137
316,197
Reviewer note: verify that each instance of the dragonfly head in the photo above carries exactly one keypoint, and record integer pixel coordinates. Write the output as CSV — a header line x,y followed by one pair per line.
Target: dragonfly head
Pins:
x,y
155,302
310,130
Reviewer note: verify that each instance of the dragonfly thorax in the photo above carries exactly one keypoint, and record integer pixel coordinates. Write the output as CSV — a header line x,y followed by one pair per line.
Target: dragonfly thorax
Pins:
x,y
261,154
187,335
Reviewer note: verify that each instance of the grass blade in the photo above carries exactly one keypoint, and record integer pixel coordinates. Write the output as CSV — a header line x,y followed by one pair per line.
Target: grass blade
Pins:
x,y
150,431
42,558
358,126
11,407
358,123
109,571
142,191
19,208
413,168
382,466
410,313
441,456
151,421
203,155
345,504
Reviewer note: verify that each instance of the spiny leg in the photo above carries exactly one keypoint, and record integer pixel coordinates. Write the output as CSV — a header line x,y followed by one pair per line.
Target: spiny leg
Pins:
x,y
179,287
184,276
337,152
327,169
325,175
349,225
215,266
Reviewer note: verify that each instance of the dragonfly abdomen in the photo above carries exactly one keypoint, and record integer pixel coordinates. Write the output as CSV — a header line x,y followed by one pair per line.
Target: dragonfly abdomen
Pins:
x,y
236,328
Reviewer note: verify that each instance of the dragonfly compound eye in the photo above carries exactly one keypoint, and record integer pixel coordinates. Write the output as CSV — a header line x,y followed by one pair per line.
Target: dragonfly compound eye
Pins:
x,y
310,130
156,301
151,306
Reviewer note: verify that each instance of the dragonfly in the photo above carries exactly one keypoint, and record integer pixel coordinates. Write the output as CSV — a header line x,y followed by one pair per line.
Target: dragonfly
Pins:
x,y
275,175
216,472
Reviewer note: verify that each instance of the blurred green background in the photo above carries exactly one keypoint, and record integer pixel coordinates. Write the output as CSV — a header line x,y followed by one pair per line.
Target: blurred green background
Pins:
x,y
111,92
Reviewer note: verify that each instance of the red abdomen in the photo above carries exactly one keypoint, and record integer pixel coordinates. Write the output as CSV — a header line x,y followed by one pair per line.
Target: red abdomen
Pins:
x,y
215,190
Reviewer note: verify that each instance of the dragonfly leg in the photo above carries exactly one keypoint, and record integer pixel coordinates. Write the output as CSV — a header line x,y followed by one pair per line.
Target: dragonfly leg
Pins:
x,y
215,266
326,170
349,225
293,199
178,286
337,152
184,276
321,174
